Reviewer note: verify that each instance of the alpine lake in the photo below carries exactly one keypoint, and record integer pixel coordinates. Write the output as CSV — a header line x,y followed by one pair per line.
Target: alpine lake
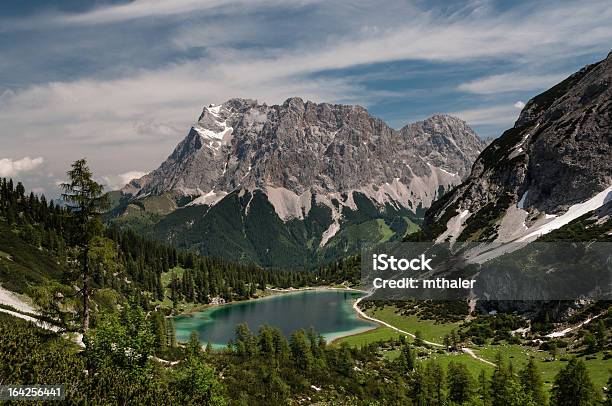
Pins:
x,y
328,311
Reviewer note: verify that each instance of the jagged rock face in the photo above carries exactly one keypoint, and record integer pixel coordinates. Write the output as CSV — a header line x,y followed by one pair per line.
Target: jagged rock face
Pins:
x,y
557,155
445,141
318,181
302,149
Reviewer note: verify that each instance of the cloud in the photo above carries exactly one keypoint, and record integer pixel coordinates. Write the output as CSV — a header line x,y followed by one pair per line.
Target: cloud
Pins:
x,y
500,115
511,82
164,8
122,117
519,104
10,167
115,182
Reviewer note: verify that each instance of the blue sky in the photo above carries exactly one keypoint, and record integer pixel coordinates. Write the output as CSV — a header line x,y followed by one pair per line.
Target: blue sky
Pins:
x,y
121,82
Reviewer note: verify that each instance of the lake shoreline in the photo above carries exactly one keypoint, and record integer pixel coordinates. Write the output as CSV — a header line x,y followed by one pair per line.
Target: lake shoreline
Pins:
x,y
331,335
273,292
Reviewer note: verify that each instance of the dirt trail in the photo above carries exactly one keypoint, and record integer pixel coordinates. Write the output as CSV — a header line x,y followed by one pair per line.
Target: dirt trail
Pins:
x,y
362,314
472,354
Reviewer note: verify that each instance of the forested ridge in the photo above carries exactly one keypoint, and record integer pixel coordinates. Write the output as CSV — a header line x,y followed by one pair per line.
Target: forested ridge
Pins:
x,y
43,245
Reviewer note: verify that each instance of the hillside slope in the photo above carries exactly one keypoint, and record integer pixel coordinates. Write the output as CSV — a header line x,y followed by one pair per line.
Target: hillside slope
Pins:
x,y
552,167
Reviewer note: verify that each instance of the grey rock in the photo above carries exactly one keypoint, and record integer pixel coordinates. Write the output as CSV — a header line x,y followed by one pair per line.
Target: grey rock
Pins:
x,y
559,151
308,147
445,141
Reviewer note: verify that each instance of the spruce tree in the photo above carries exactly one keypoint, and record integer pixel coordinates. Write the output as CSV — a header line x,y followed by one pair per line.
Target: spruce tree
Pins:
x,y
601,335
483,388
85,199
573,386
460,383
170,333
532,383
435,383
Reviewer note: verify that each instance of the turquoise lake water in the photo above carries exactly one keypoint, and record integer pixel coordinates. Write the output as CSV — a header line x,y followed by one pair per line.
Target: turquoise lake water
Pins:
x,y
329,312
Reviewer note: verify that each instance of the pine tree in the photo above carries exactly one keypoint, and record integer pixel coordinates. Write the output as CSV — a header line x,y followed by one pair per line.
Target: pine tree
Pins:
x,y
460,383
407,358
170,333
85,199
500,383
418,385
601,335
159,330
300,349
573,386
454,341
435,383
483,388
194,347
532,383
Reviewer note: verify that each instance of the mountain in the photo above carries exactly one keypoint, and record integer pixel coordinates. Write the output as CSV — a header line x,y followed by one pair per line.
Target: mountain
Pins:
x,y
553,167
297,183
446,142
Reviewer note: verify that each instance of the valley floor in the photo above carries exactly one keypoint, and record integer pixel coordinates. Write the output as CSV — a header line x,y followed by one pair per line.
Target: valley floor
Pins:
x,y
393,325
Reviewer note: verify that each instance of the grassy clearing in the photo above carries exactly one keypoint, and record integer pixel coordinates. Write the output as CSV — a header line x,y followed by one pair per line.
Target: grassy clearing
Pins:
x,y
367,337
412,227
430,330
473,365
385,232
519,355
166,277
599,369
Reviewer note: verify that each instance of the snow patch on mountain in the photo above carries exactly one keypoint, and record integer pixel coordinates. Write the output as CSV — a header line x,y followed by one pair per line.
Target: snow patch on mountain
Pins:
x,y
212,126
221,135
571,214
210,199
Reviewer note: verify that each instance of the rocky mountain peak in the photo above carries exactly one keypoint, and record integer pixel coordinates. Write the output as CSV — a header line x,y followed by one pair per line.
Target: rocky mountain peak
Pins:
x,y
320,178
555,158
319,149
446,141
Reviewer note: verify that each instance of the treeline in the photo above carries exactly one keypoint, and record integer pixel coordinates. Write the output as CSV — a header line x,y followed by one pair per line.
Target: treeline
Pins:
x,y
118,367
115,368
344,270
133,265
304,365
38,222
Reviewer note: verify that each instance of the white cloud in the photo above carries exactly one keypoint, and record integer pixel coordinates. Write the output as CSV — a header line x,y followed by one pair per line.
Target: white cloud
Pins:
x,y
519,104
159,8
134,119
115,182
500,115
10,167
511,82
